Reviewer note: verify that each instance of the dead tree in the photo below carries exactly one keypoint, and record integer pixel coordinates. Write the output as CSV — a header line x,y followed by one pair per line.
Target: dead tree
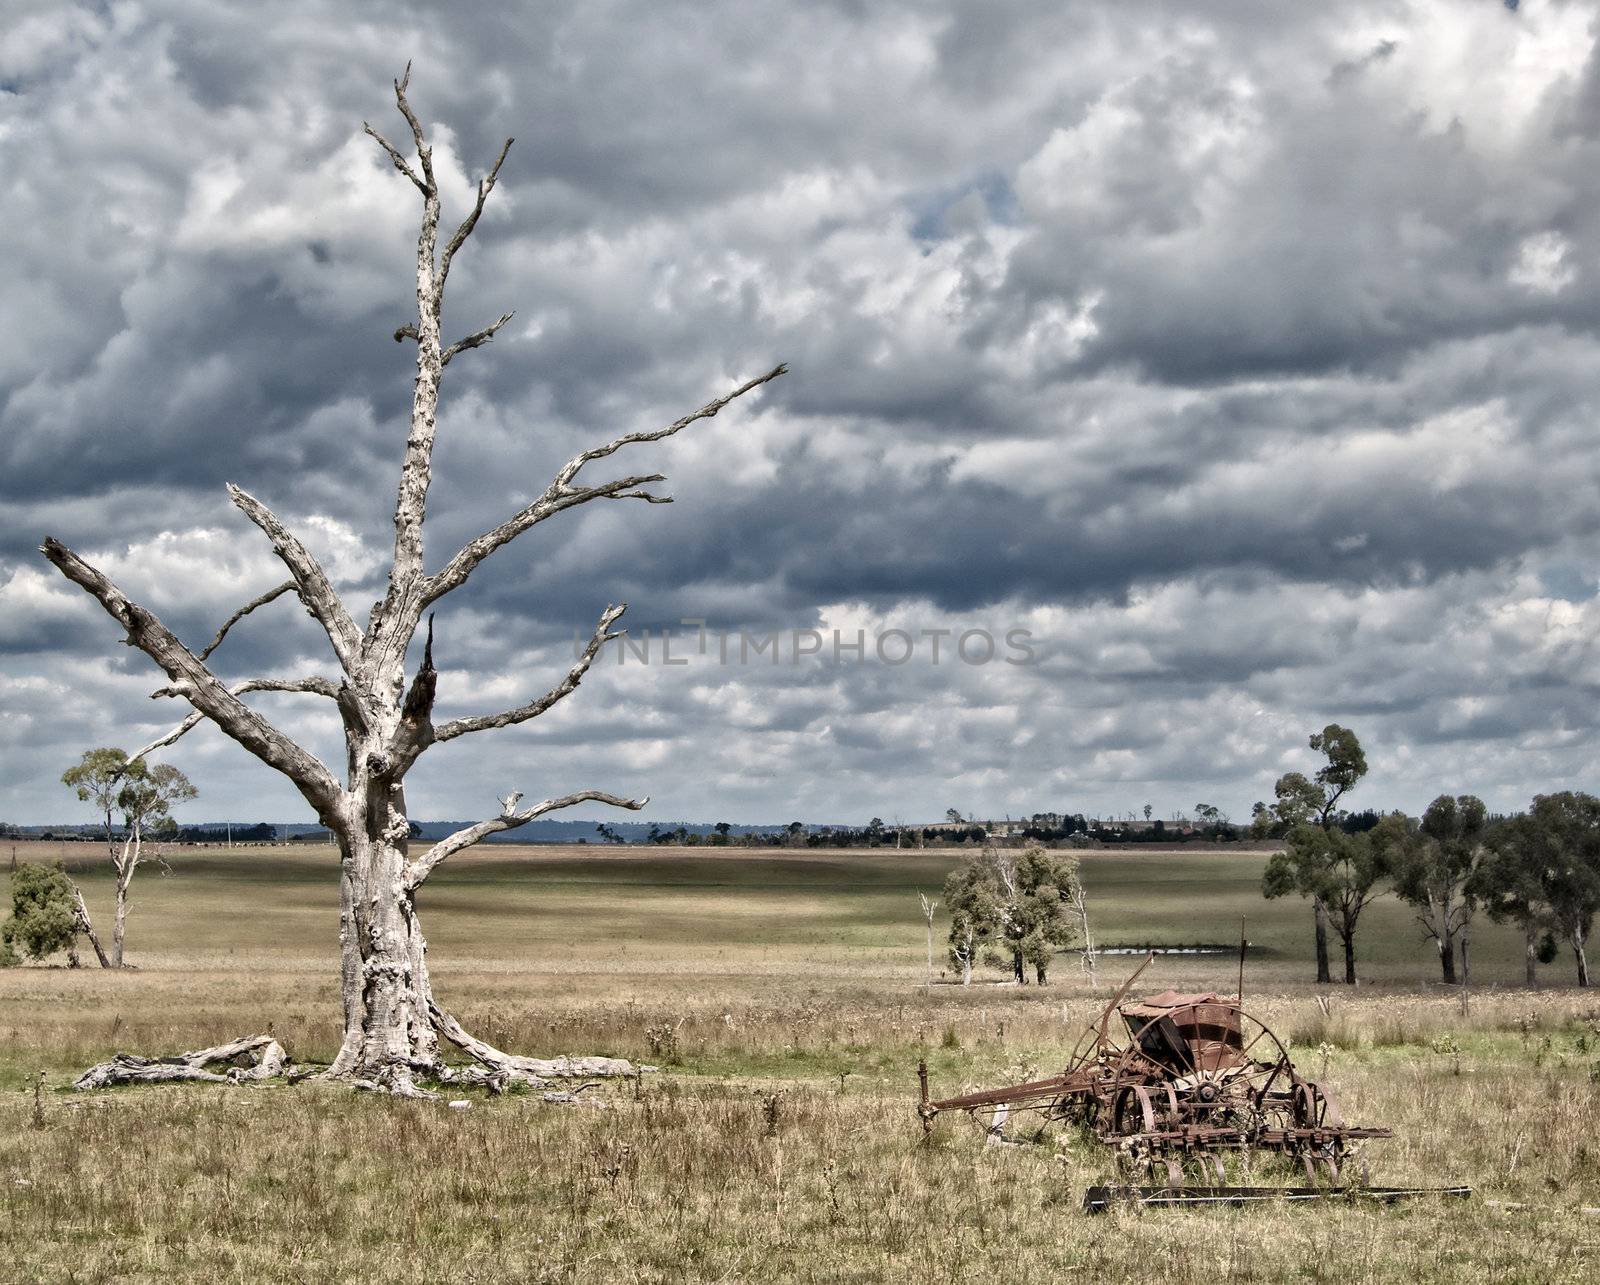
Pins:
x,y
392,1020
928,909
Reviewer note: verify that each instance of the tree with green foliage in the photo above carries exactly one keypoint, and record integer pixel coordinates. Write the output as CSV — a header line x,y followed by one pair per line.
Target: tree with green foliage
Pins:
x,y
1509,882
44,915
1556,843
1021,909
972,895
1435,865
1304,801
1342,873
145,796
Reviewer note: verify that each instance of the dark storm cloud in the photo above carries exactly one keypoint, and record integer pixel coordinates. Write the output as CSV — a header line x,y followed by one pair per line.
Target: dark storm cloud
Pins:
x,y
1244,354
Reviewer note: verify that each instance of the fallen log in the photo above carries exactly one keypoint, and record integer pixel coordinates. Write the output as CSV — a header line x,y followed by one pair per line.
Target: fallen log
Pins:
x,y
253,1057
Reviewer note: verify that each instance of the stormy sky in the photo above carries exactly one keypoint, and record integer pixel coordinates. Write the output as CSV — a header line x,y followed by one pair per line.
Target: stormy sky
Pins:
x,y
1246,355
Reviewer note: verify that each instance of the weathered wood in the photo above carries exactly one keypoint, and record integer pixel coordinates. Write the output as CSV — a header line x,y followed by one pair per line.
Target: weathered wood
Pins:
x,y
253,1057
484,722
260,601
392,1023
419,870
85,924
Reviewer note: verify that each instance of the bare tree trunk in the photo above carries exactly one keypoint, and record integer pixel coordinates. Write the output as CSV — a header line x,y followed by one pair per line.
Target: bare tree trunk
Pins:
x,y
385,991
1349,958
1080,903
85,926
1578,937
349,968
124,866
1447,959
1530,952
1324,972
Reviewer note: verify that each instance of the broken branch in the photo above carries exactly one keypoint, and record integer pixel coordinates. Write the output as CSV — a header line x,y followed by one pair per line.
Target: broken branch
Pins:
x,y
254,1057
475,340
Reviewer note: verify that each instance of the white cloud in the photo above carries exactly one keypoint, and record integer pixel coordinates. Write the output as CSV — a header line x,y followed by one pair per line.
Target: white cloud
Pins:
x,y
1543,264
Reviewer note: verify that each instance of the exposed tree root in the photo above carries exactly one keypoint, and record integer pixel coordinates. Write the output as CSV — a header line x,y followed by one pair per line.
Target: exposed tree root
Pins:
x,y
254,1057
533,1071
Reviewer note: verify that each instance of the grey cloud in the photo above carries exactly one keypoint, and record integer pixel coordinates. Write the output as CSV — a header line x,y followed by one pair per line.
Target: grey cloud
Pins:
x,y
1247,352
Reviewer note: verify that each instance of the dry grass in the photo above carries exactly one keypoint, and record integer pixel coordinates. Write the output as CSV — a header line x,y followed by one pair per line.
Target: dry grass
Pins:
x,y
758,981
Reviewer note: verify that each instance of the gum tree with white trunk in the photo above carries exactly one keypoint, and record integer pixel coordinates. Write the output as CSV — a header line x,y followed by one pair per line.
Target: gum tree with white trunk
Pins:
x,y
393,1022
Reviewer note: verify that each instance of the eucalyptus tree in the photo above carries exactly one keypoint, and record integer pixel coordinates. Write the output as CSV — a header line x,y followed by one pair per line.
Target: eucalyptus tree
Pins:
x,y
1435,868
1510,882
145,796
1560,837
1342,873
1023,908
1312,801
393,1021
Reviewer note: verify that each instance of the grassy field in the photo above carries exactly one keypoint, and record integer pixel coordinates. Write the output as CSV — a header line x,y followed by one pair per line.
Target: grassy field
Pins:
x,y
783,995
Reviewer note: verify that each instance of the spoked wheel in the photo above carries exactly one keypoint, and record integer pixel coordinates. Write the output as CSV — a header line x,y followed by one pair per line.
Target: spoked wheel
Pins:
x,y
1212,1065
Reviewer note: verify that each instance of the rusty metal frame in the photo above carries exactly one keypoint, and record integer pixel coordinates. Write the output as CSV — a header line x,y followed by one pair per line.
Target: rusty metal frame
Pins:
x,y
1164,1114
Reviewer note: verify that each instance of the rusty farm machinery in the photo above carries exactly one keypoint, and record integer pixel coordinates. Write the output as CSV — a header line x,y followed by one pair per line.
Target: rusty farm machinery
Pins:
x,y
1175,1084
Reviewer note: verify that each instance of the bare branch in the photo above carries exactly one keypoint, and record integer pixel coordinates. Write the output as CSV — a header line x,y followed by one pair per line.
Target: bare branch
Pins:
x,y
85,924
310,579
311,686
400,162
407,331
200,686
568,685
562,494
417,871
570,469
459,237
424,152
475,340
244,611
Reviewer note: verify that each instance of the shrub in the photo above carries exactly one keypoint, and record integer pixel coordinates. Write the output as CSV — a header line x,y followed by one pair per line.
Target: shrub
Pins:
x,y
43,916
